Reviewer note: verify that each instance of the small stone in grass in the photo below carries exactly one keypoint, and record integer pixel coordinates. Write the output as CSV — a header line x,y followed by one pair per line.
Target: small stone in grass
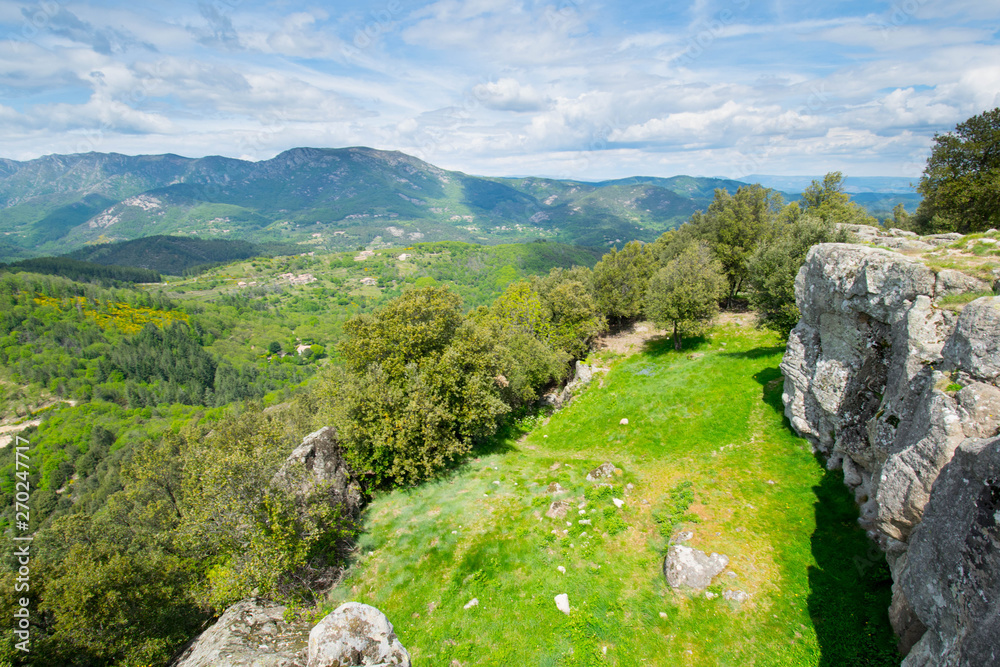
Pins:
x,y
561,569
618,502
562,603
624,421
474,602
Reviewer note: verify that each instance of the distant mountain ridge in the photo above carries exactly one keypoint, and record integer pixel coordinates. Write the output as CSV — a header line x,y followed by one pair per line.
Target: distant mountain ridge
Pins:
x,y
852,184
322,198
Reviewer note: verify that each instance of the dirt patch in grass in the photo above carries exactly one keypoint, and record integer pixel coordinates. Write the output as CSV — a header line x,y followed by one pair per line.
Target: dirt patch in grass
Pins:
x,y
630,341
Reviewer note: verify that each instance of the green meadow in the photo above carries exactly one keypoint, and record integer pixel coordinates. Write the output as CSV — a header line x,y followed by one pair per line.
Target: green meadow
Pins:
x,y
706,449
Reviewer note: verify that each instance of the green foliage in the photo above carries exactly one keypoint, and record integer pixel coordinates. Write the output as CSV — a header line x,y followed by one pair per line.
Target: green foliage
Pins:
x,y
684,295
961,299
772,268
175,255
734,224
828,202
961,183
107,275
418,323
419,387
571,308
620,280
671,510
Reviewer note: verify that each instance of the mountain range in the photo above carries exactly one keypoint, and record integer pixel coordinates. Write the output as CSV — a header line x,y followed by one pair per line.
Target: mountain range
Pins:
x,y
330,199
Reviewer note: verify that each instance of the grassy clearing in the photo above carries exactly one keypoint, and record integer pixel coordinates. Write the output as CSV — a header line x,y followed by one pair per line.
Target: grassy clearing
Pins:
x,y
706,449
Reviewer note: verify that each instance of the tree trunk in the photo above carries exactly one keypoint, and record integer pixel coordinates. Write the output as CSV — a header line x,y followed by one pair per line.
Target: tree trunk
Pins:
x,y
677,338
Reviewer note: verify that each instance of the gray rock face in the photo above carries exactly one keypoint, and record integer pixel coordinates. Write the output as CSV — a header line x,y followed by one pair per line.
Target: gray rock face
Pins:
x,y
691,568
975,346
355,634
889,386
582,376
317,464
251,633
951,574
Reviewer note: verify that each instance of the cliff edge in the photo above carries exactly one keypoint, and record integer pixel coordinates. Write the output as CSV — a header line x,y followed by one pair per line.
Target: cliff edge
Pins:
x,y
894,379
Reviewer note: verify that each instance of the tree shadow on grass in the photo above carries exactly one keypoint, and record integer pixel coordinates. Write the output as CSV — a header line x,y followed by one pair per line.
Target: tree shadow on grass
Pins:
x,y
661,345
756,353
850,588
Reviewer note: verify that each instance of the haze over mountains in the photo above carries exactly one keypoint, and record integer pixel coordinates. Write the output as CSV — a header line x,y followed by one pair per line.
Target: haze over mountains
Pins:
x,y
334,199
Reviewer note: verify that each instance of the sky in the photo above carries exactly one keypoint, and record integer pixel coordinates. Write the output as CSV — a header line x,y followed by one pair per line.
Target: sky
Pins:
x,y
559,88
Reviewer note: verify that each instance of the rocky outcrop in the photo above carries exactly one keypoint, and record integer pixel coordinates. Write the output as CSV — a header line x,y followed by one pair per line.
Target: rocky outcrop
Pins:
x,y
317,465
583,375
889,386
253,633
685,567
950,573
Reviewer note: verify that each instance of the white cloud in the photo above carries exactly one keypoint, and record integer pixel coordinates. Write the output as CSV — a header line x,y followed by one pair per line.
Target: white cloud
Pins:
x,y
507,86
508,95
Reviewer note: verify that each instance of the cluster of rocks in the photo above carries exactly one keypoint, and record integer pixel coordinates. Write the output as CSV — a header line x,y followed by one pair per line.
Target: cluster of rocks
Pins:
x,y
900,239
902,395
253,633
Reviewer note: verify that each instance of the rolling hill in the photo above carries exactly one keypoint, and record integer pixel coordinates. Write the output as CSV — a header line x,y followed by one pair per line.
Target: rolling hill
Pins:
x,y
323,198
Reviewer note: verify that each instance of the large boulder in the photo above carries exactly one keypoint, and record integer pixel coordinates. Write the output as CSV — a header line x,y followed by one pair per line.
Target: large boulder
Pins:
x,y
251,633
318,464
686,567
355,634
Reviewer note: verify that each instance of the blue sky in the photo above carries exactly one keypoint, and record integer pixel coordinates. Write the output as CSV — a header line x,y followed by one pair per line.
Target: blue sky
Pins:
x,y
562,88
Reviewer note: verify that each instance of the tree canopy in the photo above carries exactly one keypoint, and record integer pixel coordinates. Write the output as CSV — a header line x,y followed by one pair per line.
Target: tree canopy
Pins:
x,y
961,183
684,295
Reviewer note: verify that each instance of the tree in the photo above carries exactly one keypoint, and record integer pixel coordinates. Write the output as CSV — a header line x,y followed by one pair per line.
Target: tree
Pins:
x,y
774,264
411,326
828,202
572,309
620,281
422,383
733,226
961,183
685,293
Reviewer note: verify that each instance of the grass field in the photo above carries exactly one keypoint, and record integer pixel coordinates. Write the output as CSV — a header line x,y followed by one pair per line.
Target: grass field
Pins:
x,y
706,449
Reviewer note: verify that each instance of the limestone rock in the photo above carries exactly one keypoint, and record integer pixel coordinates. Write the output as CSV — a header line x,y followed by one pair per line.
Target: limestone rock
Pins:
x,y
558,509
900,394
691,568
951,576
975,346
950,282
734,595
318,464
355,634
251,633
603,471
562,603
